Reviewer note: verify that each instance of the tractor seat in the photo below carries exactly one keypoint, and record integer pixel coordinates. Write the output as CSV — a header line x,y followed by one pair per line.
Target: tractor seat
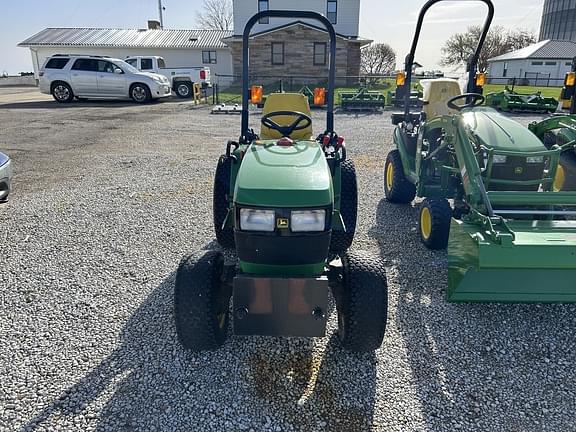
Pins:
x,y
286,102
437,92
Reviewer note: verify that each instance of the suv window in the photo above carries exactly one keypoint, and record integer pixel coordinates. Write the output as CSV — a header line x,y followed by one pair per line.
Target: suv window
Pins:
x,y
146,64
86,65
57,63
132,62
161,63
106,66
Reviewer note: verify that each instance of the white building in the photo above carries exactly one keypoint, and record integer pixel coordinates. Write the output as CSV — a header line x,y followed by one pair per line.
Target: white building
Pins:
x,y
544,63
343,14
180,48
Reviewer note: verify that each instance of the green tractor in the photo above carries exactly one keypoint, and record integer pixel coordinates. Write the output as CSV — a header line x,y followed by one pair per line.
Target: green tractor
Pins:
x,y
287,203
510,236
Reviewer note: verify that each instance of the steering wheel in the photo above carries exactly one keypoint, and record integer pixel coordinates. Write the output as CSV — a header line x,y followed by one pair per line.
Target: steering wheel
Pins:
x,y
477,99
287,130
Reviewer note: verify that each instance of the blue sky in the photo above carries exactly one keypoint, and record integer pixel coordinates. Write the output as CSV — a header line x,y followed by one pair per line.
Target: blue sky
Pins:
x,y
379,21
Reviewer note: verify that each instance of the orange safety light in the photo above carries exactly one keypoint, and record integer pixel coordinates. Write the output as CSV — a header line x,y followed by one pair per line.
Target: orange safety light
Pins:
x,y
400,79
256,94
319,96
481,79
570,80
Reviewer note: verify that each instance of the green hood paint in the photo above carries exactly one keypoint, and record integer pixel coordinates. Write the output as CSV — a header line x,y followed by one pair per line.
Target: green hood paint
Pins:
x,y
275,176
499,132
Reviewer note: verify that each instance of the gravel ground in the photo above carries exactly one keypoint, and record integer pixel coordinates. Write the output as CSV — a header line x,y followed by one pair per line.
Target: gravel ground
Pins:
x,y
109,196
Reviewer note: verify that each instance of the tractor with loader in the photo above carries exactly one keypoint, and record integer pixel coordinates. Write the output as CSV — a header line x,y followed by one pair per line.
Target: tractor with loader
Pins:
x,y
287,202
510,234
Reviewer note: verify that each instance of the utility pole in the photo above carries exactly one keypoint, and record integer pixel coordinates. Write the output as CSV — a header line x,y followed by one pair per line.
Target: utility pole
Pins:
x,y
160,9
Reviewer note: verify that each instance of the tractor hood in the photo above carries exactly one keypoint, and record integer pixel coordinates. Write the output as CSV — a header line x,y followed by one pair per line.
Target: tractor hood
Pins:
x,y
496,131
278,176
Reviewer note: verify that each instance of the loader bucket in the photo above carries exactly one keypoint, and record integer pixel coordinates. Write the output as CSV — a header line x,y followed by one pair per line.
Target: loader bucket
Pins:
x,y
537,266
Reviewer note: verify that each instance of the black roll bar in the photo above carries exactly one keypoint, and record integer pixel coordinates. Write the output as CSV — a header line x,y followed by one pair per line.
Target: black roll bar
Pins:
x,y
472,62
245,61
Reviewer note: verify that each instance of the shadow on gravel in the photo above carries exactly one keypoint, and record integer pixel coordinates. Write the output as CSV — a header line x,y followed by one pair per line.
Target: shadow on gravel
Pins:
x,y
150,383
476,366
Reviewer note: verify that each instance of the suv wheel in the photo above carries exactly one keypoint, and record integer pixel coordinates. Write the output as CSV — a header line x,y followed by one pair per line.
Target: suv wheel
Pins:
x,y
62,92
140,93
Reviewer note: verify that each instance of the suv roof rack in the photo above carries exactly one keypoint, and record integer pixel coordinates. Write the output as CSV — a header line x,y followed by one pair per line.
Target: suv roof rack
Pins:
x,y
80,55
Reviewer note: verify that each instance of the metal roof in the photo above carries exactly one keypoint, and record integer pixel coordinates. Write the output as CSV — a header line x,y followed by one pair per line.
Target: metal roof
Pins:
x,y
128,38
546,49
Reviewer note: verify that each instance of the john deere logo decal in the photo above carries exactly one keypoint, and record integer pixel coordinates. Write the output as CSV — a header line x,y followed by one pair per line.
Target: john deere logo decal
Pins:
x,y
282,223
518,170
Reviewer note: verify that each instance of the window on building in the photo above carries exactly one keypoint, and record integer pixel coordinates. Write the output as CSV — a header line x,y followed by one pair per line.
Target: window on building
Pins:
x,y
551,63
57,63
209,57
86,65
568,63
505,71
146,63
332,11
537,63
277,53
263,5
320,53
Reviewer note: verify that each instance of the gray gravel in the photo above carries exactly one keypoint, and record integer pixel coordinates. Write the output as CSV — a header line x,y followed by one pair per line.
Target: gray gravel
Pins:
x,y
109,196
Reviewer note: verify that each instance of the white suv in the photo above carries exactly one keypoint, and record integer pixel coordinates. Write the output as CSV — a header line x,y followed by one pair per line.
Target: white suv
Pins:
x,y
66,77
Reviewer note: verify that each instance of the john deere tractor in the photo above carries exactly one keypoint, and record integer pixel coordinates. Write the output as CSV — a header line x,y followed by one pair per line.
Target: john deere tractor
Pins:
x,y
510,234
287,203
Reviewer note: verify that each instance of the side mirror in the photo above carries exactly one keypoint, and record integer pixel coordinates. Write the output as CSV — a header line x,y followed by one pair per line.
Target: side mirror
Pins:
x,y
118,71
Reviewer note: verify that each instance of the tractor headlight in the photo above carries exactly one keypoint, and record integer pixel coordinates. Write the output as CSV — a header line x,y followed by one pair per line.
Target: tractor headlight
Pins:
x,y
499,159
308,220
535,159
257,220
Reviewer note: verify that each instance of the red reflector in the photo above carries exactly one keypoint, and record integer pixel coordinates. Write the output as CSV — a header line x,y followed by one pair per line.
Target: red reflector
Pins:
x,y
340,141
326,140
284,142
202,74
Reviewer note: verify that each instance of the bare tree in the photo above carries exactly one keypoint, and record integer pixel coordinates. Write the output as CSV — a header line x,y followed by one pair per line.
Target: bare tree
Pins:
x,y
215,15
378,59
460,46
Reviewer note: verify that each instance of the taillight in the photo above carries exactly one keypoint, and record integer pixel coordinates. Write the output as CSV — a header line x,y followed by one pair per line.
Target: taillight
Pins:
x,y
202,74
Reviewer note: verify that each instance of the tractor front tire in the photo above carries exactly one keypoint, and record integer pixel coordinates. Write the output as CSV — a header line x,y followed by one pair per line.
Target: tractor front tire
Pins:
x,y
397,188
362,302
434,223
201,302
342,240
225,236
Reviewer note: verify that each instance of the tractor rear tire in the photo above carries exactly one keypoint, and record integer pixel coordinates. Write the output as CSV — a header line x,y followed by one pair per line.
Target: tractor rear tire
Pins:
x,y
341,241
201,302
434,223
397,188
225,236
362,302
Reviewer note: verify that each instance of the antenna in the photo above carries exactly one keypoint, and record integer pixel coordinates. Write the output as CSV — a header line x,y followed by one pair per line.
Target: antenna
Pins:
x,y
160,9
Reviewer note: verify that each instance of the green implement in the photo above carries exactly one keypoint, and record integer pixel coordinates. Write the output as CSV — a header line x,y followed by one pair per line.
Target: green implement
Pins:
x,y
510,228
509,100
362,100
